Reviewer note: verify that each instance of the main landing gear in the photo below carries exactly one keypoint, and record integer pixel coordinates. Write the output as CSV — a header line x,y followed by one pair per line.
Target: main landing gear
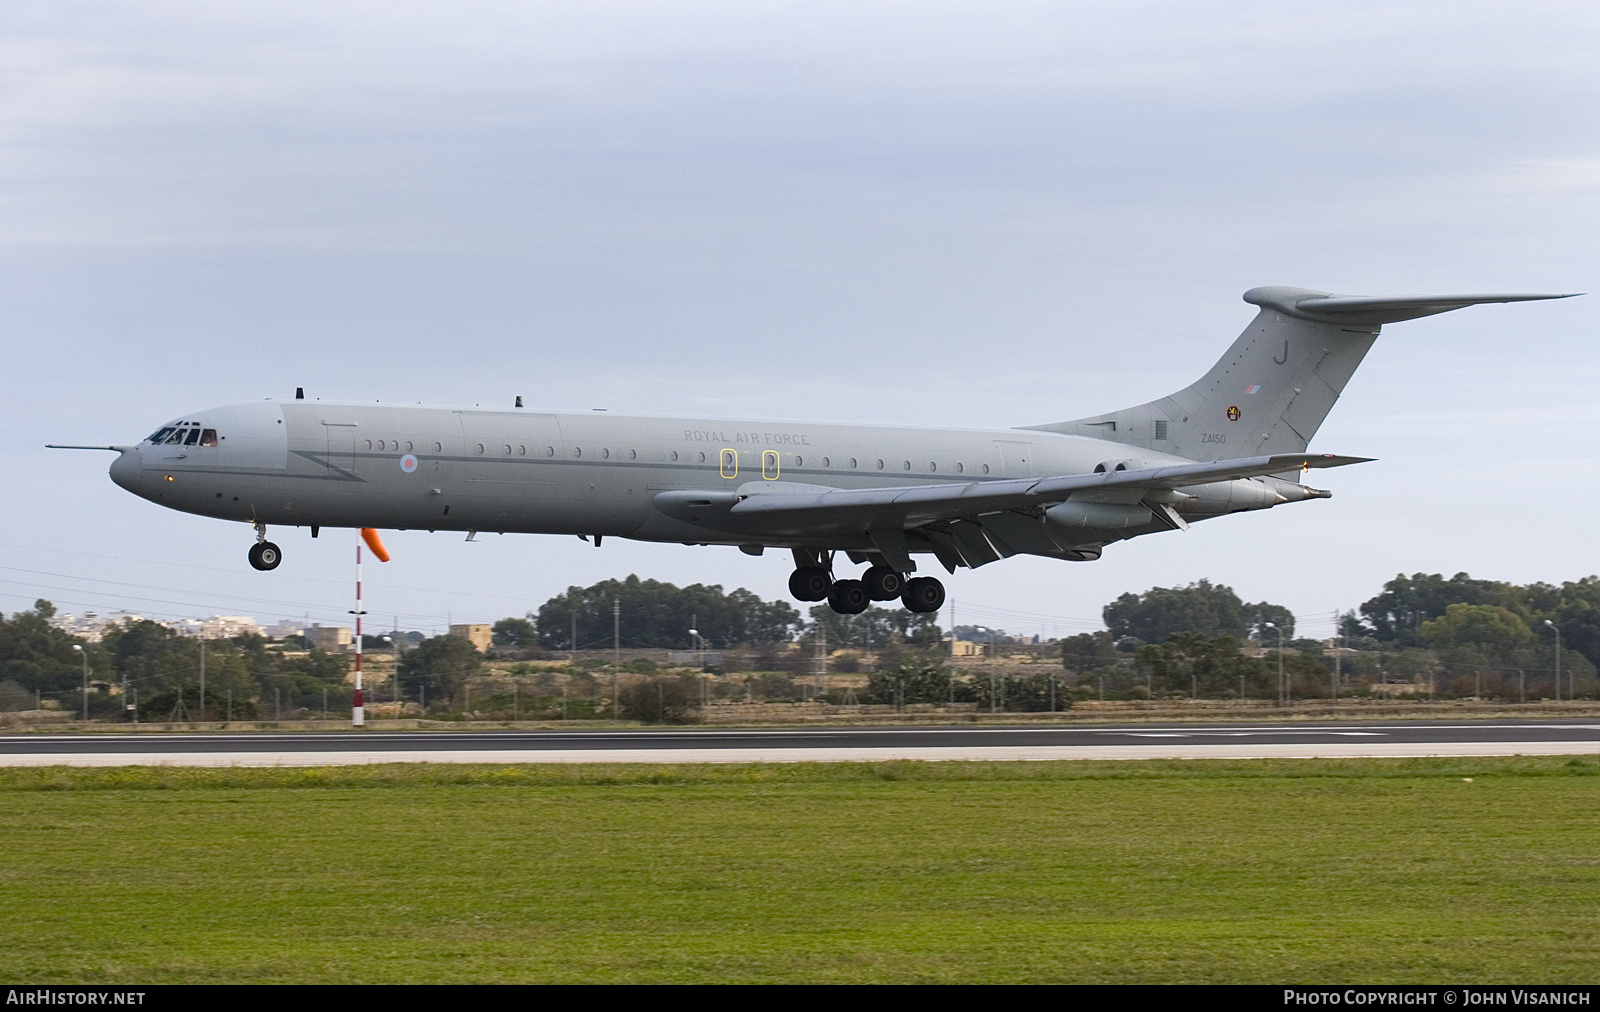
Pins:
x,y
264,555
880,583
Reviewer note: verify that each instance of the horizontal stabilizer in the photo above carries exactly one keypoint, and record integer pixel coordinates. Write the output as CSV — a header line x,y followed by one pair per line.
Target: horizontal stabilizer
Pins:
x,y
1370,310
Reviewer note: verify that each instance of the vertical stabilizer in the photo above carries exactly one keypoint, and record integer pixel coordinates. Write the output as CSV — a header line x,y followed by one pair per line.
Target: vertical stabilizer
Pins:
x,y
1270,392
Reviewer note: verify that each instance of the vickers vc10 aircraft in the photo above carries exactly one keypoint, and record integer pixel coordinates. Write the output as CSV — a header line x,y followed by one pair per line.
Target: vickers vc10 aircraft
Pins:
x,y
882,496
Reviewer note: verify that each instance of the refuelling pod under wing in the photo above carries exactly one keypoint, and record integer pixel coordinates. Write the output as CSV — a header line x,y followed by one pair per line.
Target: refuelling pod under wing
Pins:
x,y
1102,516
1222,497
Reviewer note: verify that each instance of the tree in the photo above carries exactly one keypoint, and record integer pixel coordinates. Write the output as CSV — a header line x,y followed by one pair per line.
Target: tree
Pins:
x,y
1201,607
1086,651
1492,629
515,632
1191,662
440,664
1263,614
877,628
657,614
1396,615
918,680
38,656
664,700
1020,693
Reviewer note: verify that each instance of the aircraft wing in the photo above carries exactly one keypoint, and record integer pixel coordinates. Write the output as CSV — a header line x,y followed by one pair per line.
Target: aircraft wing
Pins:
x,y
915,506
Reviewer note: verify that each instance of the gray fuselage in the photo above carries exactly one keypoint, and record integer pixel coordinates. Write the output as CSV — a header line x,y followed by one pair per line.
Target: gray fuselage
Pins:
x,y
313,463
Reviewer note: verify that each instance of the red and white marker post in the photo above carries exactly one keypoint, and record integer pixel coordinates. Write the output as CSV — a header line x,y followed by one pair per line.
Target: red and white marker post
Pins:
x,y
358,715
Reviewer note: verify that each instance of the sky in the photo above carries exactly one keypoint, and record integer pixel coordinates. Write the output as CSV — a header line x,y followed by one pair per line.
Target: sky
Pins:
x,y
983,215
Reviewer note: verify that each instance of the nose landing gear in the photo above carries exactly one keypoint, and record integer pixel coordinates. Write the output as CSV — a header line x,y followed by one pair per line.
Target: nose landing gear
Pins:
x,y
264,555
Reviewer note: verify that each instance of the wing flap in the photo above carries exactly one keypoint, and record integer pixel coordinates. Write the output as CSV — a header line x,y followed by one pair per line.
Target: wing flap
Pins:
x,y
929,503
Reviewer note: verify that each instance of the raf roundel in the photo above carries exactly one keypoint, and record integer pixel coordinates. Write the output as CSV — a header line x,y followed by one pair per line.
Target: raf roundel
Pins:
x,y
408,463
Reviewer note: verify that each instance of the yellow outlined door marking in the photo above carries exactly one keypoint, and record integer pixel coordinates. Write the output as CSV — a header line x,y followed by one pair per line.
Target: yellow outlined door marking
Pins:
x,y
730,463
769,464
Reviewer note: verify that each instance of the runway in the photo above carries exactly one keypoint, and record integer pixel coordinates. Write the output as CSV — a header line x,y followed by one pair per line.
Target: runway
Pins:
x,y
856,744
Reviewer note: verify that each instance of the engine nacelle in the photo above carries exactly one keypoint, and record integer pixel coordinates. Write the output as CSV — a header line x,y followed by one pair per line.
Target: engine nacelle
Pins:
x,y
1108,466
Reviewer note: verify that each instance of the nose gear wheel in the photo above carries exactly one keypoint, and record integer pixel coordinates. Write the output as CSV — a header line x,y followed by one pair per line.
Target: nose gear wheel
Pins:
x,y
265,555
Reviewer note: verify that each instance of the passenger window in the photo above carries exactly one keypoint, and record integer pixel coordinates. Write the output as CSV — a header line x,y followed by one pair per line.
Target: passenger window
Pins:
x,y
522,451
826,463
960,468
880,465
192,438
674,456
633,454
852,463
208,437
799,461
986,469
932,466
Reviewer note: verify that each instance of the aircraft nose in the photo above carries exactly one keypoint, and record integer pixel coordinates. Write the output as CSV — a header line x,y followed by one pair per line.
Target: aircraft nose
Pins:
x,y
127,470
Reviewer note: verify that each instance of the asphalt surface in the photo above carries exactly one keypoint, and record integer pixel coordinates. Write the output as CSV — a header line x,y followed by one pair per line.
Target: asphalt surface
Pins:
x,y
1127,741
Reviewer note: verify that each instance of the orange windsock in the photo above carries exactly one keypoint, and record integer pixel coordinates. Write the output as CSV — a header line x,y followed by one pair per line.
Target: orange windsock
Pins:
x,y
370,536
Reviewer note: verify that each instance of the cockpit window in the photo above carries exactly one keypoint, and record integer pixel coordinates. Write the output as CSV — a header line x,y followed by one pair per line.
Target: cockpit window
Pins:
x,y
161,434
176,437
208,437
194,437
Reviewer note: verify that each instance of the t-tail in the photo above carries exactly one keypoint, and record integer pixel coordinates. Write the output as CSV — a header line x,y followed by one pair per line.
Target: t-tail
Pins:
x,y
1271,391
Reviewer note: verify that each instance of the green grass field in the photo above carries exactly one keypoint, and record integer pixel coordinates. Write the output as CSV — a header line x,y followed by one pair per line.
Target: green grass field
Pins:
x,y
1262,871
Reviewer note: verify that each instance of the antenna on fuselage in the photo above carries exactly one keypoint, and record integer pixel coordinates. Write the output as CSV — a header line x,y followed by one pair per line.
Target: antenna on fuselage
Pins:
x,y
299,393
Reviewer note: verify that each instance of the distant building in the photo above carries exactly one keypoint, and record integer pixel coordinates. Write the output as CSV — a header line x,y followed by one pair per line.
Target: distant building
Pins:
x,y
966,648
92,626
219,627
332,638
480,636
1397,688
284,629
